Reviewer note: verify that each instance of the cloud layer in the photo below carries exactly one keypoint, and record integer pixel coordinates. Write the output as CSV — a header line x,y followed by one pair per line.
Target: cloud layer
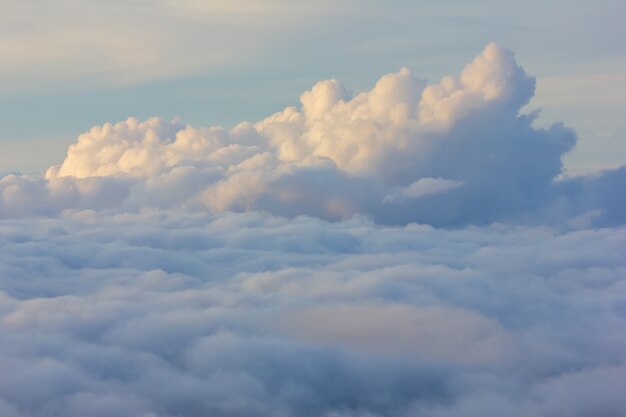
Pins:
x,y
295,267
178,314
452,153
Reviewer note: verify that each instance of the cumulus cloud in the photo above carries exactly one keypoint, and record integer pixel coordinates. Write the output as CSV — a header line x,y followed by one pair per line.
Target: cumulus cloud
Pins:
x,y
188,314
451,153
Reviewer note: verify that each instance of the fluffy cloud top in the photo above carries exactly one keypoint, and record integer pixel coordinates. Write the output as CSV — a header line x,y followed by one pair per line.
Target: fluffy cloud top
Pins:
x,y
451,153
388,133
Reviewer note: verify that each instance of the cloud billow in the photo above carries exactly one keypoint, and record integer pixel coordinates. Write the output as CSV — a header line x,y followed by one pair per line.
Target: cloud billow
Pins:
x,y
180,314
296,266
336,156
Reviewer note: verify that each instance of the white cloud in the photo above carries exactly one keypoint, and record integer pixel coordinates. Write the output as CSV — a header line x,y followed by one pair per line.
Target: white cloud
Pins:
x,y
180,314
125,266
452,153
375,154
129,287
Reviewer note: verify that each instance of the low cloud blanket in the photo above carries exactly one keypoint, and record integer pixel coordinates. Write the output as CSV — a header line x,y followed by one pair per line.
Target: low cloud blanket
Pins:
x,y
248,314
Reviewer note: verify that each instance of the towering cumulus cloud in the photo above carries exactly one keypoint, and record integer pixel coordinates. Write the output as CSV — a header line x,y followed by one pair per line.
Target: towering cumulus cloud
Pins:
x,y
452,153
407,251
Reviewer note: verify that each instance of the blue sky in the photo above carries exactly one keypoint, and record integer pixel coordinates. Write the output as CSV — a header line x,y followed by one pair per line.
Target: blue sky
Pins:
x,y
69,65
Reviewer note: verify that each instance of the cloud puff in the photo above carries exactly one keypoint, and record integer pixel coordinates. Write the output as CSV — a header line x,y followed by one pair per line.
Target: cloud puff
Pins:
x,y
186,314
453,153
388,133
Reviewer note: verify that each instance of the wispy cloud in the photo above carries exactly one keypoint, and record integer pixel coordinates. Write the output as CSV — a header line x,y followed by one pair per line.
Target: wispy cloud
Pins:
x,y
100,44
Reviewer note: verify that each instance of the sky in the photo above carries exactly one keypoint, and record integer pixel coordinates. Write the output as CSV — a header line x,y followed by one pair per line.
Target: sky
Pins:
x,y
312,209
69,65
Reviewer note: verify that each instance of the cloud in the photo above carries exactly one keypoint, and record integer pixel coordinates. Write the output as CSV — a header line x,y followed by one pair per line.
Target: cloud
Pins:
x,y
453,153
295,266
422,187
182,313
434,333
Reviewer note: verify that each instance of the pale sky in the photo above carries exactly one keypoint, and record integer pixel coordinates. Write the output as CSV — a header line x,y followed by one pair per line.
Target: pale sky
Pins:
x,y
68,64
